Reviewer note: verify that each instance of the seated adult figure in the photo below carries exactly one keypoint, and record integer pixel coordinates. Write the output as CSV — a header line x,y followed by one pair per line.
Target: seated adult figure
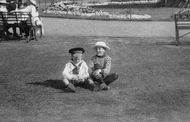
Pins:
x,y
3,8
31,8
19,3
12,5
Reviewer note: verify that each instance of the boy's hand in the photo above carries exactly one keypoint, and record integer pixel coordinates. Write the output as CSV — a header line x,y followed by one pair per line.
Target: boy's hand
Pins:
x,y
80,79
98,76
97,73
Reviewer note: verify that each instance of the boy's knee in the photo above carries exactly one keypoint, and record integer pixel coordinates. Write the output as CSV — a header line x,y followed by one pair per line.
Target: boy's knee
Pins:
x,y
66,81
90,81
115,76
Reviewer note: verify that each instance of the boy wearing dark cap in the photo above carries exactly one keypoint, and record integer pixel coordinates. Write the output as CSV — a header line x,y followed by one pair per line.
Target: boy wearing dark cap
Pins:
x,y
76,70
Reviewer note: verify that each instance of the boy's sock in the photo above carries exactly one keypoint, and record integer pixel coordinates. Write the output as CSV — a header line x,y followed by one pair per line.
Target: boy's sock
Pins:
x,y
96,88
103,86
90,84
71,88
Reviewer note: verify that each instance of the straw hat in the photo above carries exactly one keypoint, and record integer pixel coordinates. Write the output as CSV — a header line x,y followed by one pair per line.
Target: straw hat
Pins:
x,y
101,44
33,2
3,2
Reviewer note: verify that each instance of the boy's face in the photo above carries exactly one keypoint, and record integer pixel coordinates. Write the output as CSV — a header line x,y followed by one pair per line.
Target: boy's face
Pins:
x,y
100,51
77,57
2,7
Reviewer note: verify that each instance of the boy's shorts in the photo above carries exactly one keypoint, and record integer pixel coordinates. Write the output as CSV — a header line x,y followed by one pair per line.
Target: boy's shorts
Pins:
x,y
76,83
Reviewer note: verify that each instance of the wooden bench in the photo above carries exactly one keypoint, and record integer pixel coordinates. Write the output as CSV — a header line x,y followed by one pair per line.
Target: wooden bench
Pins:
x,y
21,21
182,22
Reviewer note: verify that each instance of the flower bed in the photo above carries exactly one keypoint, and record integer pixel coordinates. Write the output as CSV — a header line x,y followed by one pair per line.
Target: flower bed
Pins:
x,y
75,10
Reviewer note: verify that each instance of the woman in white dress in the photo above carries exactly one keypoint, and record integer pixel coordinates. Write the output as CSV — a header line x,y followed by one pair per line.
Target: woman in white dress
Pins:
x,y
3,7
32,9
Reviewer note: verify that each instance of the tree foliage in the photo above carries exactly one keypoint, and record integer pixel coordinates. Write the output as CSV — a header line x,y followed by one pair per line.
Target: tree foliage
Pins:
x,y
177,3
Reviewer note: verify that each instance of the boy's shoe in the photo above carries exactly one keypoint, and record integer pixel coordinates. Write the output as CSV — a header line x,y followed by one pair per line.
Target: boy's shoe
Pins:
x,y
91,86
70,88
94,87
103,86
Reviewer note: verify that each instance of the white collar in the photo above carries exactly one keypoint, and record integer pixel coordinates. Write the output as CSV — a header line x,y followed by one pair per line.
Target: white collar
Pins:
x,y
77,63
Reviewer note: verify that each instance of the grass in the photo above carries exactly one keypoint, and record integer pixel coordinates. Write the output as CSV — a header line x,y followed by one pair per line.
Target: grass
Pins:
x,y
153,81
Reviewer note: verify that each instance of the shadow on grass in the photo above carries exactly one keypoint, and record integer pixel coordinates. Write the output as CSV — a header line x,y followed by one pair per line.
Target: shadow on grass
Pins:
x,y
161,102
56,84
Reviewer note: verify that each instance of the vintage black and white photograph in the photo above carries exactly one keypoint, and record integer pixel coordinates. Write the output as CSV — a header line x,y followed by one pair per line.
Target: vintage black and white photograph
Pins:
x,y
94,60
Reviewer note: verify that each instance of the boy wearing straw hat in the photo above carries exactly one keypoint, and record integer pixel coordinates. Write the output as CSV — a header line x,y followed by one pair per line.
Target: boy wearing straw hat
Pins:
x,y
100,67
75,72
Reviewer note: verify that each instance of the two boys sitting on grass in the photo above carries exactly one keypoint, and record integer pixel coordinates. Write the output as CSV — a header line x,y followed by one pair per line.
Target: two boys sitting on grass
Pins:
x,y
96,77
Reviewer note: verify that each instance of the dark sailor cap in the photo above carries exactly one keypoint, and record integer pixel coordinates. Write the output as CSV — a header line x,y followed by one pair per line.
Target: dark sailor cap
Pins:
x,y
76,50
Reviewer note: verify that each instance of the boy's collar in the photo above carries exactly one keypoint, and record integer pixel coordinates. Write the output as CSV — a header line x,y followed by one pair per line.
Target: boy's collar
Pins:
x,y
101,56
76,63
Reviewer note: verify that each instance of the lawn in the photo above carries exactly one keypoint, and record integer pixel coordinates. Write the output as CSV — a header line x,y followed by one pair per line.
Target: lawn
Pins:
x,y
153,83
